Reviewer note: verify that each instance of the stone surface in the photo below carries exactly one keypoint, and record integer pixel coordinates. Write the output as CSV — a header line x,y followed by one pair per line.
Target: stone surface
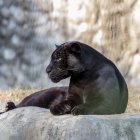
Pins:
x,y
17,13
9,54
32,123
135,68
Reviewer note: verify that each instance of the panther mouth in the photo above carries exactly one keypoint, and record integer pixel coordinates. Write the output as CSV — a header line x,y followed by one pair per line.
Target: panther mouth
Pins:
x,y
58,77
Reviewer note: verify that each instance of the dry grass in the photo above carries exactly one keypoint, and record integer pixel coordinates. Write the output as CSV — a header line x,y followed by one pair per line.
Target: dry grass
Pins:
x,y
17,95
134,101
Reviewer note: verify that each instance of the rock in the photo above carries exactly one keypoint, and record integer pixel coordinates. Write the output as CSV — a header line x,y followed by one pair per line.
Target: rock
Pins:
x,y
32,56
8,3
135,82
1,2
17,13
45,6
5,22
5,12
77,12
135,70
4,32
12,25
9,54
33,123
24,33
122,65
5,71
38,25
97,38
136,15
3,84
15,40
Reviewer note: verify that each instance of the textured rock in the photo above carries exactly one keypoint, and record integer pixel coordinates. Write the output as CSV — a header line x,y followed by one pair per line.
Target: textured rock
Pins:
x,y
9,54
5,12
34,123
15,40
135,71
17,13
1,2
36,25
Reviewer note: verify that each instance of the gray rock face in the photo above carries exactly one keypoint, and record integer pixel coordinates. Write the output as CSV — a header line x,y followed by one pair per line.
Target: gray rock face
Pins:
x,y
27,38
32,123
9,54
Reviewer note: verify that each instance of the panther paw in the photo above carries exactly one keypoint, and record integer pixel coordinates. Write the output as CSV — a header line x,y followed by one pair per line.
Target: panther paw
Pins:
x,y
79,110
60,109
10,106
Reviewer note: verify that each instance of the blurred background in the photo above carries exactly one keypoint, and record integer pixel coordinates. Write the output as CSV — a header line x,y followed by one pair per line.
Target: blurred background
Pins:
x,y
29,30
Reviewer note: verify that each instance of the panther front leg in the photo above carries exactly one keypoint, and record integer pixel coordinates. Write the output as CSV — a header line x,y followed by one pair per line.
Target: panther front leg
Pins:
x,y
61,108
90,109
65,107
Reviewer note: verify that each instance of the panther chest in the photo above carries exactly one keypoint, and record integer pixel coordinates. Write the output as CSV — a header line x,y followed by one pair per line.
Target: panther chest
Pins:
x,y
80,91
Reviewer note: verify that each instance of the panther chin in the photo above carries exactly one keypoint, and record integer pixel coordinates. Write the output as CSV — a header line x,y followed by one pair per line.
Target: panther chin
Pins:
x,y
57,79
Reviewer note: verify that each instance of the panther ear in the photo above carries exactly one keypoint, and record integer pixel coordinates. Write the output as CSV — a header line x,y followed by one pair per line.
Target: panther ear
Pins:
x,y
57,46
75,48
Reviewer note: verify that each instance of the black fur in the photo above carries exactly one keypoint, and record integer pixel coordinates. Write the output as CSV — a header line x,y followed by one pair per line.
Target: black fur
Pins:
x,y
43,98
96,85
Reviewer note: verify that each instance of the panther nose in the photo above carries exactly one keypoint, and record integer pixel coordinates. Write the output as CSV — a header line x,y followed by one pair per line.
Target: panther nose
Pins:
x,y
48,69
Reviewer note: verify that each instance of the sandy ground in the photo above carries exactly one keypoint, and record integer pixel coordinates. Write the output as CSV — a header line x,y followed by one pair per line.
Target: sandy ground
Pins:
x,y
17,95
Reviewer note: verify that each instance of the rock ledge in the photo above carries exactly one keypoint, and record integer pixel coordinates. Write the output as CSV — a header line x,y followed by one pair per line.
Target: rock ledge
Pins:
x,y
33,123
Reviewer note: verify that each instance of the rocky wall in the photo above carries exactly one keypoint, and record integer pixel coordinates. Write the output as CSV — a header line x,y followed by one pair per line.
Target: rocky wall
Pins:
x,y
30,28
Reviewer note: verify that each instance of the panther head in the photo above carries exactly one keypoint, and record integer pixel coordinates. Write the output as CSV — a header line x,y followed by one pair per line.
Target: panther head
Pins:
x,y
65,61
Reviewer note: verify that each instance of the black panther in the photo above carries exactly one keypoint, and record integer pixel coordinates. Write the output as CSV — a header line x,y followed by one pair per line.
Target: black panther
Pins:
x,y
96,85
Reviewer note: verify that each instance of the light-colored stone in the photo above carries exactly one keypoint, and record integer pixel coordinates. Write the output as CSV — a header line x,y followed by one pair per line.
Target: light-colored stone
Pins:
x,y
1,2
5,12
9,54
4,33
135,71
5,22
17,13
3,84
15,40
39,24
135,82
43,5
32,56
32,123
135,68
12,25
136,15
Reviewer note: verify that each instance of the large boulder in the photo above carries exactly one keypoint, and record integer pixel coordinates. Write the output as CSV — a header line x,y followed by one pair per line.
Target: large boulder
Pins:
x,y
33,123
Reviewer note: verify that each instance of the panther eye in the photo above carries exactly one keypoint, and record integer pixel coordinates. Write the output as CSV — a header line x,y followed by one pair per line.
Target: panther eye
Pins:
x,y
59,59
